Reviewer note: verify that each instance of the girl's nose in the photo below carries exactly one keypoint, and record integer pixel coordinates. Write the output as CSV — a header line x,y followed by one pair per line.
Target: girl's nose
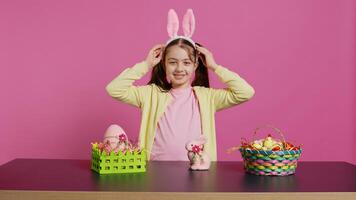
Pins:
x,y
179,68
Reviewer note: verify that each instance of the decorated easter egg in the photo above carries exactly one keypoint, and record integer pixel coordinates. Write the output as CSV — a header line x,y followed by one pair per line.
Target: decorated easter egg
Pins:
x,y
113,135
268,142
276,148
257,145
288,145
294,148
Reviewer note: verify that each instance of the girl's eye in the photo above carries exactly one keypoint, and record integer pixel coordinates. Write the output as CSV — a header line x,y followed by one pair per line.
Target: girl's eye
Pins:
x,y
172,62
186,63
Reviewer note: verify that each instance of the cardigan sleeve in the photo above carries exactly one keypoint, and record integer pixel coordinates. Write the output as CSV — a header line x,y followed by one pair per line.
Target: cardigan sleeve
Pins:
x,y
122,88
238,89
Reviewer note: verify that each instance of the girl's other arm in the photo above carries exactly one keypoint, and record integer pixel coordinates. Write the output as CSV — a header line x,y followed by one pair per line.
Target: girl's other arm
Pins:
x,y
238,89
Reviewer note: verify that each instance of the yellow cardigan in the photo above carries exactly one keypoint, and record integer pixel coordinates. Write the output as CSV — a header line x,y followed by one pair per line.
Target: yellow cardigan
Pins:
x,y
153,102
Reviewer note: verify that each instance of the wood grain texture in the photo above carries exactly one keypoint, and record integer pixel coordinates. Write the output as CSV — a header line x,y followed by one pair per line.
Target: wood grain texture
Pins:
x,y
46,195
73,179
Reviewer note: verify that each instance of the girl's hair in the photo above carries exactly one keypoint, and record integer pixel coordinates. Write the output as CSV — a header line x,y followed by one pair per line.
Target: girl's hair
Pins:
x,y
158,75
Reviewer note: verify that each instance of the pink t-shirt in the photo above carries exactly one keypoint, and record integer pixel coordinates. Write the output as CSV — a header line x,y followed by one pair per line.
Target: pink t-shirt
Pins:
x,y
179,124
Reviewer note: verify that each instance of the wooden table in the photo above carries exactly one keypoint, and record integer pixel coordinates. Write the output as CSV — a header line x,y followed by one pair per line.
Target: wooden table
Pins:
x,y
73,179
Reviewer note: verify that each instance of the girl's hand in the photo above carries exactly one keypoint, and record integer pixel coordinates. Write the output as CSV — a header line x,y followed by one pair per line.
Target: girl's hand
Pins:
x,y
207,57
155,55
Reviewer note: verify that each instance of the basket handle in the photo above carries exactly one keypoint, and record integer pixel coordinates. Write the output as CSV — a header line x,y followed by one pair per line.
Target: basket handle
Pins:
x,y
232,149
268,126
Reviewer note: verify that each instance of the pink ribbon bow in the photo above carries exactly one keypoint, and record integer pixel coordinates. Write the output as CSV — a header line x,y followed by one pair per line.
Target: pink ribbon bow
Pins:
x,y
196,149
122,138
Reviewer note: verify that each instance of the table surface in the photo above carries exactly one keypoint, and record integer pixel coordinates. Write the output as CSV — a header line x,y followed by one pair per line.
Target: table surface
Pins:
x,y
173,176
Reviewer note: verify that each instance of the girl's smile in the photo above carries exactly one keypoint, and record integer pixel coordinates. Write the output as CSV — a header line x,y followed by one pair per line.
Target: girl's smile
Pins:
x,y
179,76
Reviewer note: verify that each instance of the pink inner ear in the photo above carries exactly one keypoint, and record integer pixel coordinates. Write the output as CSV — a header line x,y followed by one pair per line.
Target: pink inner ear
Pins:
x,y
173,23
189,23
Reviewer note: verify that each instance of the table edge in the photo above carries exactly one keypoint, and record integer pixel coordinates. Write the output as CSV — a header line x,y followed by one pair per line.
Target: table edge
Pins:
x,y
94,195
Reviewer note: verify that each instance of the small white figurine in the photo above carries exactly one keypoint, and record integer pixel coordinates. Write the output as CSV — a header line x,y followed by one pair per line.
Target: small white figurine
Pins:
x,y
199,159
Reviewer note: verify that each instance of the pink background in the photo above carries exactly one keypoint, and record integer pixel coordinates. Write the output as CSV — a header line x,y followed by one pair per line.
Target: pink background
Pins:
x,y
56,58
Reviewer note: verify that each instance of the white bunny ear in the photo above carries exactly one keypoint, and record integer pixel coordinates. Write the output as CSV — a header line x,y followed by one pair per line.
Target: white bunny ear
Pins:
x,y
189,23
202,140
173,23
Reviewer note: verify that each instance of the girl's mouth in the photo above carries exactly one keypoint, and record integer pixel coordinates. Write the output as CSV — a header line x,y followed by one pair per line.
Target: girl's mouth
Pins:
x,y
178,76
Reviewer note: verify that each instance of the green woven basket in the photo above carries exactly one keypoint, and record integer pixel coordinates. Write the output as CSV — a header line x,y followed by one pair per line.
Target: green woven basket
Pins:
x,y
129,162
275,163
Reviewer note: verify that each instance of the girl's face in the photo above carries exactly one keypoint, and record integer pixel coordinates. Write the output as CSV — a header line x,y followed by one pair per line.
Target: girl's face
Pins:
x,y
179,67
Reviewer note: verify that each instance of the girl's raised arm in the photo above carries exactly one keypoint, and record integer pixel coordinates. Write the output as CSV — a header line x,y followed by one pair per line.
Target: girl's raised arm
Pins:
x,y
122,88
238,89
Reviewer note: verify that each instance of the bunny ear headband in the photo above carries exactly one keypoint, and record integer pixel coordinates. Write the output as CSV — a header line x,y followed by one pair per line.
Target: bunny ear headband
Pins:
x,y
188,26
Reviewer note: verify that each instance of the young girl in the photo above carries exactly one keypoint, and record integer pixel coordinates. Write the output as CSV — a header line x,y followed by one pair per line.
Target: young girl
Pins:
x,y
177,104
